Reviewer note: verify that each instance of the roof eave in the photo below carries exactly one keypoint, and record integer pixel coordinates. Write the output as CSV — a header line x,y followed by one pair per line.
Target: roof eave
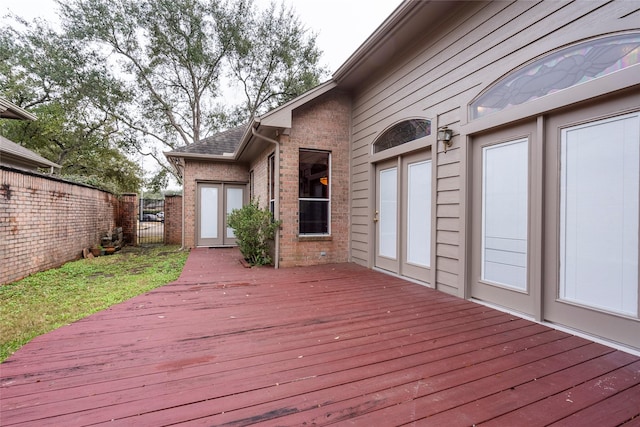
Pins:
x,y
16,152
280,117
410,20
9,110
10,157
226,157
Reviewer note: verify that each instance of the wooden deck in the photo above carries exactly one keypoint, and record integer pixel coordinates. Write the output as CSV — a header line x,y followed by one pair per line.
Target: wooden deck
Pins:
x,y
338,344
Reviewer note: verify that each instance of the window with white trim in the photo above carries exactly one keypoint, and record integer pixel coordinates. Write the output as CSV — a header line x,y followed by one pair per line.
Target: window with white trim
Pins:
x,y
314,192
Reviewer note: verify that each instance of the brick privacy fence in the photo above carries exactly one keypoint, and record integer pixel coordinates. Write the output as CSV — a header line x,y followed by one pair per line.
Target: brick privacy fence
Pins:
x,y
173,220
128,218
45,221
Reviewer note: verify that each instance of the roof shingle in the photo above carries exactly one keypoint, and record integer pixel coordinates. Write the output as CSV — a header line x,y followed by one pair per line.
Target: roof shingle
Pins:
x,y
217,145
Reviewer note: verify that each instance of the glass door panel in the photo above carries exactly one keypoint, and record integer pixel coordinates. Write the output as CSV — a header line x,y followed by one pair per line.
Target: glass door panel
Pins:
x,y
419,213
208,212
599,188
386,216
388,213
504,214
235,199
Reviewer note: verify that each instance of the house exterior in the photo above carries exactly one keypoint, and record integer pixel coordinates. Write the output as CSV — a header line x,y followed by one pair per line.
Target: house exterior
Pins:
x,y
225,171
532,205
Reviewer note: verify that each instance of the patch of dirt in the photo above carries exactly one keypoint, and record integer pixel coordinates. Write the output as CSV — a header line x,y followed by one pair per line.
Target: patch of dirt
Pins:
x,y
140,269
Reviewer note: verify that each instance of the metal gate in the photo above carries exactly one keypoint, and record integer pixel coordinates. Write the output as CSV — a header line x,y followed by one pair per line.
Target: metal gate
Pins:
x,y
151,222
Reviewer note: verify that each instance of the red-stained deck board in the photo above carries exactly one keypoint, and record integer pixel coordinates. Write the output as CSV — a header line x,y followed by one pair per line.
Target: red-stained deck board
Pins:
x,y
226,345
438,396
385,338
592,385
262,376
616,409
316,381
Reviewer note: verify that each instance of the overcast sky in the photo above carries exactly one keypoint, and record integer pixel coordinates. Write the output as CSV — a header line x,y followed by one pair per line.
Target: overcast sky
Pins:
x,y
342,25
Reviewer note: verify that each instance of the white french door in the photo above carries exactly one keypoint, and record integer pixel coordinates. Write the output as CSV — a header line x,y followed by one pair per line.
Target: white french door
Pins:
x,y
386,216
403,216
215,202
500,212
592,248
555,218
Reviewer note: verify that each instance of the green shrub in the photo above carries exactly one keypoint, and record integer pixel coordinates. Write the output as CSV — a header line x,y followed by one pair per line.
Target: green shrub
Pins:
x,y
253,227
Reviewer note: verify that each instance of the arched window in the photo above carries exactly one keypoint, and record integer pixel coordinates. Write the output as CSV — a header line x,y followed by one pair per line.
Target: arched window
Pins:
x,y
562,69
402,133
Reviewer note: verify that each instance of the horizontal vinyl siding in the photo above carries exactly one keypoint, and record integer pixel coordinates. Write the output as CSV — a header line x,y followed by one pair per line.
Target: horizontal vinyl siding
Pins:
x,y
438,76
449,66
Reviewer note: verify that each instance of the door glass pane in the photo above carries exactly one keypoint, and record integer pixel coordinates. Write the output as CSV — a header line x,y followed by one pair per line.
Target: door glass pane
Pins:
x,y
388,212
504,214
208,212
419,213
599,214
234,201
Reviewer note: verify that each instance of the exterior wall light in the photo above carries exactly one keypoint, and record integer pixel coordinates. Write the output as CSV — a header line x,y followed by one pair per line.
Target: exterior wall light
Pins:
x,y
445,135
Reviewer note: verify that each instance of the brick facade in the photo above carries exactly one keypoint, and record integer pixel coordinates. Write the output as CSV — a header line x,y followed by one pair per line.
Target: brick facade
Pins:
x,y
45,222
323,124
260,169
203,171
173,220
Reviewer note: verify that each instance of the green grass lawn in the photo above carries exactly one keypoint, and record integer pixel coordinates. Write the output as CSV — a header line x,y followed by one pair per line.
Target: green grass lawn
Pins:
x,y
45,301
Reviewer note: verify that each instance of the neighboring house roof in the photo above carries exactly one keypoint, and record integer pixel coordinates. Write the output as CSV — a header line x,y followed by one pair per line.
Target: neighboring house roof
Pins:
x,y
12,154
9,110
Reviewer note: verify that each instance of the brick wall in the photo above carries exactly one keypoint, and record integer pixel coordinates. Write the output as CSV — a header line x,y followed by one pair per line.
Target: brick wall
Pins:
x,y
260,170
45,222
204,171
128,218
324,125
173,220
